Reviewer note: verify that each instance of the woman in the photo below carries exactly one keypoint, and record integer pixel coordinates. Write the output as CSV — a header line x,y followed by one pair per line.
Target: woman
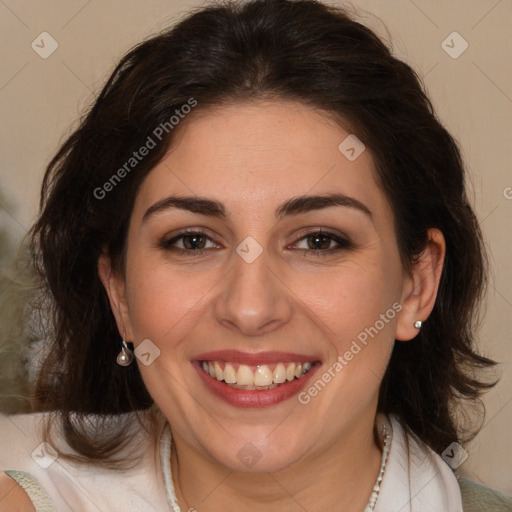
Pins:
x,y
258,245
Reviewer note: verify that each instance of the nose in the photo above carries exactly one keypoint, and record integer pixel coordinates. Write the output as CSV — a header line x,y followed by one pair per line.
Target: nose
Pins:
x,y
254,299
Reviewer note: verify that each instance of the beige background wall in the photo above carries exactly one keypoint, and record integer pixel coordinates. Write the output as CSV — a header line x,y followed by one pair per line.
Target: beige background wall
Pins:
x,y
40,100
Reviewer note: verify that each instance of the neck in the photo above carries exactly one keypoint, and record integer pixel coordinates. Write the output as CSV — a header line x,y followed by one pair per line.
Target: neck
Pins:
x,y
339,476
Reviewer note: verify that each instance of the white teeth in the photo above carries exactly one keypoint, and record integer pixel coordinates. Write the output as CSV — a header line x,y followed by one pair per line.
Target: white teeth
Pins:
x,y
236,386
263,376
290,372
229,374
219,374
244,376
279,373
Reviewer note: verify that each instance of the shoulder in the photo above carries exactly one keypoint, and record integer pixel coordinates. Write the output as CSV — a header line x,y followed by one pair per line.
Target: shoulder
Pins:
x,y
479,498
60,483
14,497
21,435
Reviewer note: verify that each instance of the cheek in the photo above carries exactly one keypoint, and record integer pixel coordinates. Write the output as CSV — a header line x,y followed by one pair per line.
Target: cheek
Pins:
x,y
162,302
356,306
350,297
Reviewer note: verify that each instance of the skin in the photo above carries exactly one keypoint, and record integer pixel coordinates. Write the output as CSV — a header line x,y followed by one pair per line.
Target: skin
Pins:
x,y
252,158
13,498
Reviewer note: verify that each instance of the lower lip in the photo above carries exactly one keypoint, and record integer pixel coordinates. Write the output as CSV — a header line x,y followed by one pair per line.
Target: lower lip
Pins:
x,y
254,397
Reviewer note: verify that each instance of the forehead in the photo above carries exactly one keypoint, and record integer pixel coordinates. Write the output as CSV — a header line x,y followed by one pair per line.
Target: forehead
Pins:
x,y
253,156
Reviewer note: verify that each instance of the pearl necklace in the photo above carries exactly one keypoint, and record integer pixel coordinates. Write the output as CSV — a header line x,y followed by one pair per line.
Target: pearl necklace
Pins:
x,y
386,435
165,458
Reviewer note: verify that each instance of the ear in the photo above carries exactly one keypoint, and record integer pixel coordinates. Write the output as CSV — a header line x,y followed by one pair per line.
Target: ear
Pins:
x,y
115,288
421,286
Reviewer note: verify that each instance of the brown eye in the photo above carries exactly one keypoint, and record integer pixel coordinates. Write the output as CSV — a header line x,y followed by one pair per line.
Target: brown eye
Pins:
x,y
193,242
188,243
319,241
322,242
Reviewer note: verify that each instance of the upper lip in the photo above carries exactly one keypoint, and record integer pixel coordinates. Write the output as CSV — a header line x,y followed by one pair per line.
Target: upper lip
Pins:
x,y
254,358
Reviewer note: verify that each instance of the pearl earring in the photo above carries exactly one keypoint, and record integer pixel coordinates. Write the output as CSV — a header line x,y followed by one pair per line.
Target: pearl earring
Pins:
x,y
418,324
125,356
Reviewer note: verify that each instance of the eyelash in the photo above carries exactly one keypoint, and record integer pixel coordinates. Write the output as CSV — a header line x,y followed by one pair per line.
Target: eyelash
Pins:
x,y
343,243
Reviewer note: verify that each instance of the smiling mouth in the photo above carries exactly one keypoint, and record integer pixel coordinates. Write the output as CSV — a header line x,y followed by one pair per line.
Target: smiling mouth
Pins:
x,y
259,377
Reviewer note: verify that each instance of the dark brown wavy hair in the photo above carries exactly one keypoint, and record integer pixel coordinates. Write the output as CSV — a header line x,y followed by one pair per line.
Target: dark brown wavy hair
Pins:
x,y
298,50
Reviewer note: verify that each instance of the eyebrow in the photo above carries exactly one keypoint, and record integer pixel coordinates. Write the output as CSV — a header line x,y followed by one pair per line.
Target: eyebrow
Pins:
x,y
293,206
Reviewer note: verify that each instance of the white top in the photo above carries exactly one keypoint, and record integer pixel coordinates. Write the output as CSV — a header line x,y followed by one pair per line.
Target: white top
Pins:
x,y
415,480
73,487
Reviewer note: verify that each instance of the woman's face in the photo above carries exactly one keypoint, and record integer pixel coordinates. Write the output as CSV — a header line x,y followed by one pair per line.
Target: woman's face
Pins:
x,y
276,276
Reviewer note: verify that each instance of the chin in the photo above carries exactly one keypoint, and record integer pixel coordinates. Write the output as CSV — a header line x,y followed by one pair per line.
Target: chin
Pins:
x,y
258,453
